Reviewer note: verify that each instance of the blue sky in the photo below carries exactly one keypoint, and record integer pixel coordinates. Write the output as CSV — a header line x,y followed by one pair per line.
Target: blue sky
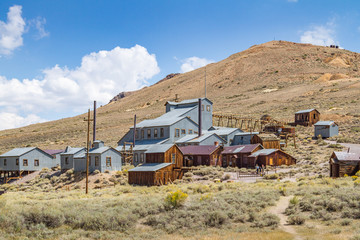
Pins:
x,y
50,51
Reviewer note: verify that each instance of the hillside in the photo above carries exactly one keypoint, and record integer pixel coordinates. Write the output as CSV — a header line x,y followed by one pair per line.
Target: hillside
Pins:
x,y
276,78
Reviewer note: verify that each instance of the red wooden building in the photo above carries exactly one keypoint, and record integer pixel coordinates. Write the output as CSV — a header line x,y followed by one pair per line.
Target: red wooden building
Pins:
x,y
206,155
237,156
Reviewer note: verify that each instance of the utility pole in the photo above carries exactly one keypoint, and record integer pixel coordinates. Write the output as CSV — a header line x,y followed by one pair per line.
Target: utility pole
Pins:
x,y
94,126
88,120
205,81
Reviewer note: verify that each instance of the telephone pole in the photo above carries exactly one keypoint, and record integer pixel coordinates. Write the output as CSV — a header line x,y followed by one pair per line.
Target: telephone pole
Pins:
x,y
88,120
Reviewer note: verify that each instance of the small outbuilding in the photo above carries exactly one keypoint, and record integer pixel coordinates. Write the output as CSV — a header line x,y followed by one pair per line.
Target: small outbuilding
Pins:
x,y
237,156
272,157
67,157
307,117
326,129
267,140
206,155
342,163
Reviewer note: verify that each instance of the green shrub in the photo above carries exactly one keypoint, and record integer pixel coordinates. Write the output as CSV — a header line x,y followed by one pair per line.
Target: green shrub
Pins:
x,y
294,200
296,219
175,199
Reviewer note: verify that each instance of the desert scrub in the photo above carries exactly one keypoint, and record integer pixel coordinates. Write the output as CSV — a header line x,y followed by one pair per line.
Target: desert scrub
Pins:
x,y
175,199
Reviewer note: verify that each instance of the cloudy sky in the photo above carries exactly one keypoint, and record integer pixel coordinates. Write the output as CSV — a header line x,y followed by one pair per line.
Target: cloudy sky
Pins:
x,y
57,56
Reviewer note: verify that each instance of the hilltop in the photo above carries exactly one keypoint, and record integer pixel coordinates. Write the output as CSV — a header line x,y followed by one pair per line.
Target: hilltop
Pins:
x,y
275,78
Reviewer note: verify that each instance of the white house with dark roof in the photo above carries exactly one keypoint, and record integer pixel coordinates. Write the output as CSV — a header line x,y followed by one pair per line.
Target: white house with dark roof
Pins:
x,y
101,158
26,159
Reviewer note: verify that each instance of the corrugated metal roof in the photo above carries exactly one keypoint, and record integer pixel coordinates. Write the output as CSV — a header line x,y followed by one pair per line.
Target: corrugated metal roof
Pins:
x,y
99,150
53,152
186,138
263,152
223,130
240,148
203,137
16,152
305,111
324,123
72,151
80,155
159,148
345,156
246,133
149,167
198,150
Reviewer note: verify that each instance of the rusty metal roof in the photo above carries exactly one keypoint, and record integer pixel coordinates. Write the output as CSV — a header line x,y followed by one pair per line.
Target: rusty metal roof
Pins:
x,y
240,148
198,150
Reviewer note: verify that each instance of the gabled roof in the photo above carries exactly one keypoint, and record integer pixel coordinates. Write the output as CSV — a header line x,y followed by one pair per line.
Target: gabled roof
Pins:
x,y
17,152
53,152
241,148
204,137
306,111
223,130
72,151
149,167
267,136
186,138
347,156
246,133
263,152
159,148
99,150
188,101
324,123
198,150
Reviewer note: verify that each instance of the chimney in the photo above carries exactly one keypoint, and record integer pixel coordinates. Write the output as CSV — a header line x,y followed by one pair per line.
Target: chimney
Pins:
x,y
134,130
94,129
199,118
348,150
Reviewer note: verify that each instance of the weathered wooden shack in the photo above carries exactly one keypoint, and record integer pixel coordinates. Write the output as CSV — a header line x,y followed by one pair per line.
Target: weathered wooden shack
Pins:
x,y
206,155
164,164
237,156
342,163
272,157
24,160
307,117
267,140
326,129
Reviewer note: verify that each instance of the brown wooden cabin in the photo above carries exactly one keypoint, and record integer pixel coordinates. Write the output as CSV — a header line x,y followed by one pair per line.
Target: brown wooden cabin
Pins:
x,y
267,140
342,163
272,157
307,117
273,128
164,164
237,155
206,155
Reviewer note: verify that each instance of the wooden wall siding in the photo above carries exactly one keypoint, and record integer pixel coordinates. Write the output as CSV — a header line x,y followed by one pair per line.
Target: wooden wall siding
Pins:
x,y
275,159
268,144
307,119
348,168
241,161
142,178
214,159
166,157
159,177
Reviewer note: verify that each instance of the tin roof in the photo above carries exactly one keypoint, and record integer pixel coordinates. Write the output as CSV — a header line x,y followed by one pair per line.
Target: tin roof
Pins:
x,y
345,156
205,136
246,133
53,151
186,138
149,167
159,148
263,152
223,130
306,111
72,151
16,152
187,101
99,150
198,150
324,123
240,148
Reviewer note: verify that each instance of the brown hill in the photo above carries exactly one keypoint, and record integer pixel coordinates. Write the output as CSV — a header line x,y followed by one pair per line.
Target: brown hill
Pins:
x,y
275,78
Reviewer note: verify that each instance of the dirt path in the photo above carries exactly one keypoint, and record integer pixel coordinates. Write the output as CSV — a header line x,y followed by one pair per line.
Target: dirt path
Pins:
x,y
279,210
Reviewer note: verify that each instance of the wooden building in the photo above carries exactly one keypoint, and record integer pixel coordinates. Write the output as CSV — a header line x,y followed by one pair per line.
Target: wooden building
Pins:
x,y
272,157
209,155
237,156
266,140
307,117
164,164
342,163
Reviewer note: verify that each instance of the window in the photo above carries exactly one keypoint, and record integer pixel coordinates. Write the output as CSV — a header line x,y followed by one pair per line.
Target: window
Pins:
x,y
173,158
108,161
97,162
161,132
17,162
208,108
177,132
155,133
5,162
66,160
142,157
137,134
202,107
183,131
314,116
36,162
149,133
25,162
135,157
190,131
142,134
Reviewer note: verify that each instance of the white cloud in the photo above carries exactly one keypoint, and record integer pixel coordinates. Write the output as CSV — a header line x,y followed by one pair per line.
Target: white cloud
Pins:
x,y
39,24
323,35
193,63
11,31
12,120
100,76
